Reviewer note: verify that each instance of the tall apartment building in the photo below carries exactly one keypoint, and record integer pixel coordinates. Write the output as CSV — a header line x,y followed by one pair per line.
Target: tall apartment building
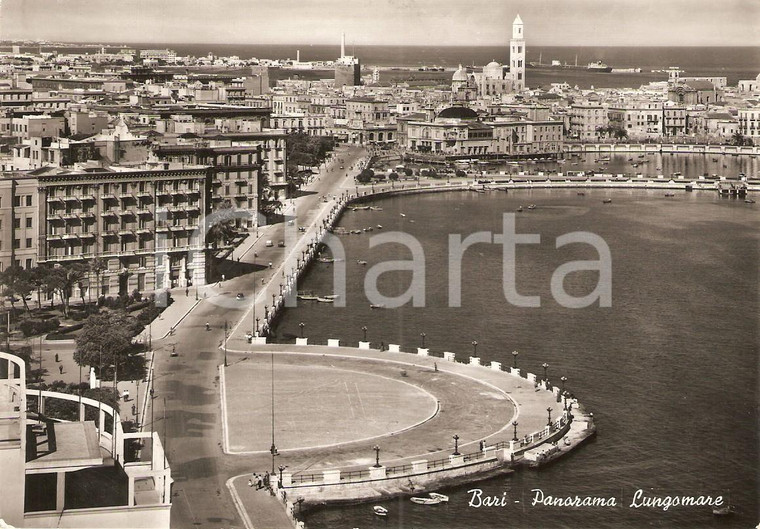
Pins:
x,y
145,225
235,171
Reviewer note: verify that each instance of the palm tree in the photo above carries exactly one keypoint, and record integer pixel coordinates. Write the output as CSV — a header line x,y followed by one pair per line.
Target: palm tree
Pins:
x,y
65,277
97,266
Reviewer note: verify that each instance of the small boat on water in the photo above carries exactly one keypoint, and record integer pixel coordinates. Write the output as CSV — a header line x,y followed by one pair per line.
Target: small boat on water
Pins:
x,y
425,501
670,194
749,201
403,215
369,229
307,295
728,510
356,232
379,226
361,262
377,306
434,499
331,296
607,201
581,194
375,208
519,209
326,260
325,300
532,206
380,511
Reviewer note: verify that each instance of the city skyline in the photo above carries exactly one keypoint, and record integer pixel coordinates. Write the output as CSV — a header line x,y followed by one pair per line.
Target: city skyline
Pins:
x,y
389,22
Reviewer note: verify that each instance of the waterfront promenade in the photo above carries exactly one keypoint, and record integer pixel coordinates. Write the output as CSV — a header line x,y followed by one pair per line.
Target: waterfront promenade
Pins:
x,y
196,425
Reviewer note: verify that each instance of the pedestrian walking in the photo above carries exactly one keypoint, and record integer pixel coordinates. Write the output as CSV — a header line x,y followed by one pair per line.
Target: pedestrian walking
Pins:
x,y
222,277
56,357
60,369
187,292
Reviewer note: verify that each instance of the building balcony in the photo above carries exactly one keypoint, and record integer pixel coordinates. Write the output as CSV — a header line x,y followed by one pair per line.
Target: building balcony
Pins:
x,y
110,233
144,211
126,213
143,231
162,229
126,232
126,195
108,196
69,236
144,194
87,214
54,236
54,217
70,216
88,235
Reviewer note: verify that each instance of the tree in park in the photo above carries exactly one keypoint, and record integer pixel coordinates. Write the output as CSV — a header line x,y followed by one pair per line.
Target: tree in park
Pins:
x,y
97,266
408,172
16,283
393,176
106,339
365,176
223,228
38,278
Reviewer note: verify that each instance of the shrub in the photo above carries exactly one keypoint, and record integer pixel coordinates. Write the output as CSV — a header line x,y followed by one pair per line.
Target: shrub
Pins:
x,y
33,327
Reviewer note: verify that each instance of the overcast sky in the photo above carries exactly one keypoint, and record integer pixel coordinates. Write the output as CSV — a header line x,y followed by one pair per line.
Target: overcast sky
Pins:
x,y
391,22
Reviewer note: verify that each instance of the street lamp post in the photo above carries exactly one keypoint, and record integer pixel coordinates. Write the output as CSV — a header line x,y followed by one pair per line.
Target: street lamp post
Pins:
x,y
563,379
364,330
281,468
549,410
281,286
377,456
257,327
545,366
225,344
475,348
514,359
273,448
422,335
514,425
302,325
456,445
274,296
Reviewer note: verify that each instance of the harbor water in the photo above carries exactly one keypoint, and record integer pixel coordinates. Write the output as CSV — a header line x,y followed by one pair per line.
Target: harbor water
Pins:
x,y
669,370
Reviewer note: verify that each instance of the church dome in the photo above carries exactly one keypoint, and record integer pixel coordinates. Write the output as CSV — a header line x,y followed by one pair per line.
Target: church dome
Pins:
x,y
457,113
493,64
460,74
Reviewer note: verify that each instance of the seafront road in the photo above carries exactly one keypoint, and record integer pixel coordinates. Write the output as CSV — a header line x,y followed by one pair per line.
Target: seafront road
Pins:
x,y
210,486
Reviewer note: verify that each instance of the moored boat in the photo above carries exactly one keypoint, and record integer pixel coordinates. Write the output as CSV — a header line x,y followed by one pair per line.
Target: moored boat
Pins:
x,y
728,510
307,295
325,300
380,511
425,501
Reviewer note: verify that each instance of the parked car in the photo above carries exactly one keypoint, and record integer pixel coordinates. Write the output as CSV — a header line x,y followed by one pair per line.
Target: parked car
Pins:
x,y
269,244
240,295
281,244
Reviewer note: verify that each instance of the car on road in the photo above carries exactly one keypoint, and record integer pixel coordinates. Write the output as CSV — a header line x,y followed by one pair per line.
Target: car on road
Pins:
x,y
301,229
281,244
240,295
269,244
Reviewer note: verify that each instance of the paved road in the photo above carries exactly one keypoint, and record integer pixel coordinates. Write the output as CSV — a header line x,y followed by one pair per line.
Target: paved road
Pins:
x,y
189,382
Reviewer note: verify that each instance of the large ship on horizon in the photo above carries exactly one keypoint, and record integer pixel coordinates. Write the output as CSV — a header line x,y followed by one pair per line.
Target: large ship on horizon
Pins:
x,y
598,66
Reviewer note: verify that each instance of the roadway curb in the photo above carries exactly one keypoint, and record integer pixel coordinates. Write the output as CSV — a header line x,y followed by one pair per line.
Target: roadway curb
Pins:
x,y
174,327
238,502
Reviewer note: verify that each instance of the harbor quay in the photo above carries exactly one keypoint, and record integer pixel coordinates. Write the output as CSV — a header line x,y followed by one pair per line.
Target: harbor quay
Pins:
x,y
467,421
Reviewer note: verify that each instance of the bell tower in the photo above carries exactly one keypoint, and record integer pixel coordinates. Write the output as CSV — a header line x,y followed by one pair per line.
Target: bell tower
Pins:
x,y
517,55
